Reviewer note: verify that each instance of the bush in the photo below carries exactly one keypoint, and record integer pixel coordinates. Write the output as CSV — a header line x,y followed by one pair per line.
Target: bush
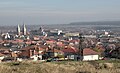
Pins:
x,y
60,56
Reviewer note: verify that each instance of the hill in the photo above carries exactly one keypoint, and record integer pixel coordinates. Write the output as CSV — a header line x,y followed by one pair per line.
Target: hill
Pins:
x,y
97,23
61,67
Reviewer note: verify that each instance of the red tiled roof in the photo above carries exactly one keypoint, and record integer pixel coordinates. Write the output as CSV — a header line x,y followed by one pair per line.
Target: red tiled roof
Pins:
x,y
50,41
70,50
1,54
1,41
28,42
27,48
73,41
88,51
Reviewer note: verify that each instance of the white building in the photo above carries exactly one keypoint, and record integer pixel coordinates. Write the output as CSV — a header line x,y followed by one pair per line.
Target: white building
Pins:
x,y
89,54
90,36
36,57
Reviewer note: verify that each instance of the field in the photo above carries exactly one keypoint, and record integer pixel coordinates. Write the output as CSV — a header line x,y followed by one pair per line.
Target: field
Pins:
x,y
61,67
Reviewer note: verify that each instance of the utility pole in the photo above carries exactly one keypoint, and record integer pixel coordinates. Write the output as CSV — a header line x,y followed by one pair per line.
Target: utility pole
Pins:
x,y
80,53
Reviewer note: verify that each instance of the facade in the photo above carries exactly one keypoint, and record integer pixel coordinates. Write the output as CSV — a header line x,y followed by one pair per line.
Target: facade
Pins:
x,y
90,57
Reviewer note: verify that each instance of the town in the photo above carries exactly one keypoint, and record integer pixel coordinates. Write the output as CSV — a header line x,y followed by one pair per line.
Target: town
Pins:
x,y
58,44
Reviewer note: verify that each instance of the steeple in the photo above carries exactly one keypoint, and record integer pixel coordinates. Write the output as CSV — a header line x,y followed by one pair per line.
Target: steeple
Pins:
x,y
18,30
41,29
24,29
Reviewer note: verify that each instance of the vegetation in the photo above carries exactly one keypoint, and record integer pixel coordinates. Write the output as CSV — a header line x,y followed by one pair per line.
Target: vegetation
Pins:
x,y
112,66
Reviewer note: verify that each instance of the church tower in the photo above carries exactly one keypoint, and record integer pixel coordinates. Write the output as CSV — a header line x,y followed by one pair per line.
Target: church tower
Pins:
x,y
18,30
41,29
24,29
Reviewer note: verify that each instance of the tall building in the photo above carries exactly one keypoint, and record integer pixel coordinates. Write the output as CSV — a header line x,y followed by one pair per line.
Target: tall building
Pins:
x,y
18,30
41,29
24,30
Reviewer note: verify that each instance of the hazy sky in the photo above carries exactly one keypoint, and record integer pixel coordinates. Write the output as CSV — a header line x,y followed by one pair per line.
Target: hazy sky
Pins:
x,y
13,12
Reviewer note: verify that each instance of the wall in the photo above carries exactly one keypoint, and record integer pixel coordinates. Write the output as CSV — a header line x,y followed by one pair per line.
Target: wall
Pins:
x,y
90,57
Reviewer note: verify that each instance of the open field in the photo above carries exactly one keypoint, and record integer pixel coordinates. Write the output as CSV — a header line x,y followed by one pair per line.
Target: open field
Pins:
x,y
61,67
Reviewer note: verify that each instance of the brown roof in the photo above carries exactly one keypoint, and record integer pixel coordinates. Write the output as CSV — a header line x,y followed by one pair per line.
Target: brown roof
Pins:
x,y
1,54
88,51
27,48
70,50
41,47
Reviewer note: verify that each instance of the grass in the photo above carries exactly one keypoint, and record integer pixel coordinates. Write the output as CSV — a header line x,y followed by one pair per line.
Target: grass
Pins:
x,y
108,61
60,67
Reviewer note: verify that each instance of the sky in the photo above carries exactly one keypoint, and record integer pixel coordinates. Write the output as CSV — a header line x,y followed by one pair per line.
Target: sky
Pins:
x,y
13,12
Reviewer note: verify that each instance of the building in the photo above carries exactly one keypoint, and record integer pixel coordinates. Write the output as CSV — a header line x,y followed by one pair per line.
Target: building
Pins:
x,y
89,54
71,34
18,30
24,30
70,53
41,29
5,54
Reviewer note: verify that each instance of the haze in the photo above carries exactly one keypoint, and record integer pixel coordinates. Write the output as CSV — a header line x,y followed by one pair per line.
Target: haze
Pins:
x,y
13,12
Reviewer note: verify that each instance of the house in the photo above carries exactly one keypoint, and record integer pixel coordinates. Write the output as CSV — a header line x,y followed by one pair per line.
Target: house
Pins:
x,y
50,41
5,57
54,53
28,42
25,52
89,54
34,52
70,53
36,38
15,54
2,56
37,53
4,53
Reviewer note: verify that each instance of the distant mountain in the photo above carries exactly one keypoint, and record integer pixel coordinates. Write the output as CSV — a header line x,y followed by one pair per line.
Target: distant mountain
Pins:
x,y
97,23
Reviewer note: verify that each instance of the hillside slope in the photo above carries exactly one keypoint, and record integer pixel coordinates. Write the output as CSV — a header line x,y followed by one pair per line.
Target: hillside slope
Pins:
x,y
60,67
